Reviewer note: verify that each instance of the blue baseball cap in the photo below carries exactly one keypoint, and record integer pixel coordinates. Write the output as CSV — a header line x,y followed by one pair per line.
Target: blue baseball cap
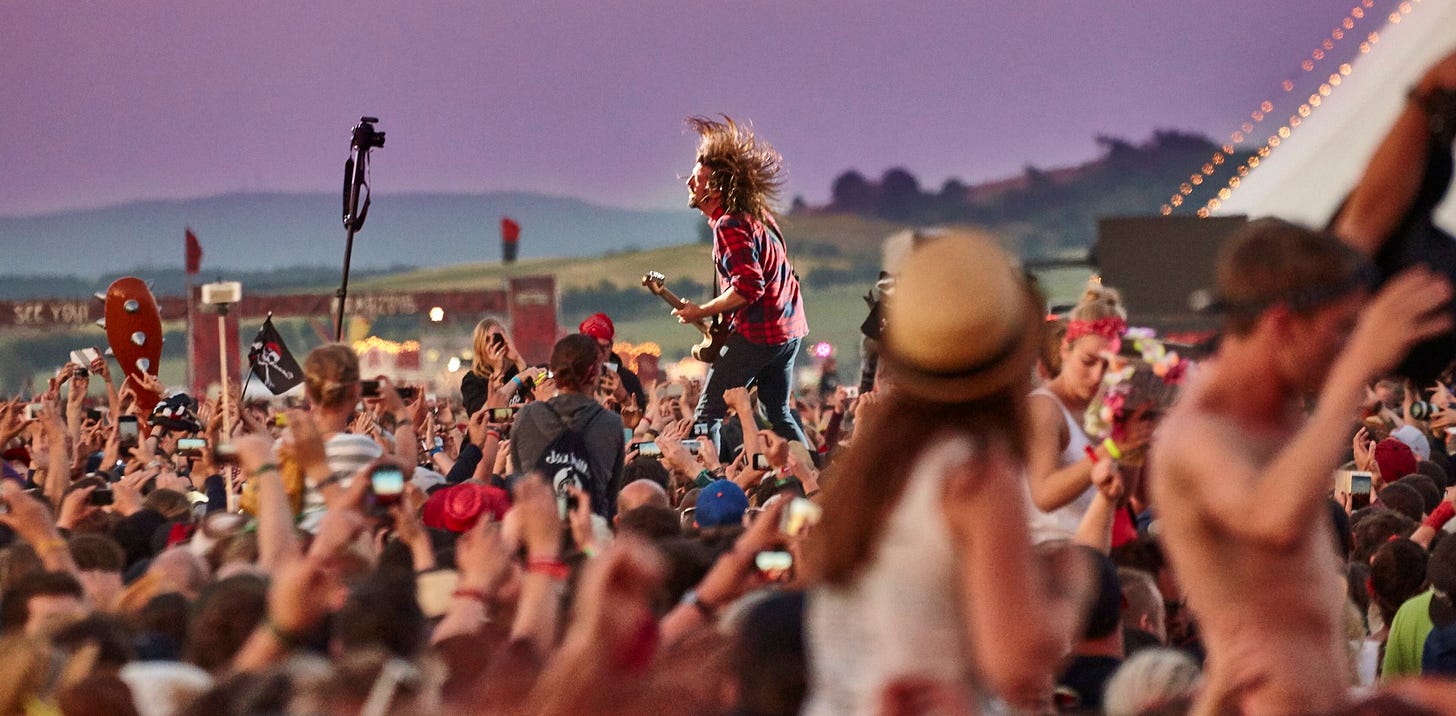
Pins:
x,y
720,504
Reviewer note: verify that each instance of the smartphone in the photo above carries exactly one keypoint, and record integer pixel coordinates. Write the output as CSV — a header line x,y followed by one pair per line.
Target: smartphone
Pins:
x,y
565,505
224,454
609,365
191,447
83,357
32,411
369,388
502,415
774,565
408,393
851,391
497,339
760,462
692,446
101,496
647,449
799,513
387,483
1360,483
126,430
93,415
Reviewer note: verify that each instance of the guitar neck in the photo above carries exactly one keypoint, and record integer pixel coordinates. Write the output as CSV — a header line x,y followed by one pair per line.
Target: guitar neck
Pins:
x,y
672,300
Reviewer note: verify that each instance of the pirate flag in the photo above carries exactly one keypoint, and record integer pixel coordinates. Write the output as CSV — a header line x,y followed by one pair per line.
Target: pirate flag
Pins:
x,y
271,362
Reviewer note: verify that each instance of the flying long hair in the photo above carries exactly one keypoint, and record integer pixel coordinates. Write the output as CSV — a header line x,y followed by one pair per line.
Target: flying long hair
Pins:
x,y
747,170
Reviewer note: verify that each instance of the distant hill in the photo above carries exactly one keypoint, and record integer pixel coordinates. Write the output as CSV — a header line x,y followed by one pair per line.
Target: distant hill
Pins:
x,y
271,231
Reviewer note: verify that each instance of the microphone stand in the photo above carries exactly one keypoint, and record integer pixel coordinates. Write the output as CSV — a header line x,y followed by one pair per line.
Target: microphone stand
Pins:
x,y
356,169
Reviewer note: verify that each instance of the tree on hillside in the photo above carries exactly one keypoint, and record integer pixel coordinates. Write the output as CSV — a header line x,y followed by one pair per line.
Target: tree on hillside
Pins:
x,y
900,197
852,192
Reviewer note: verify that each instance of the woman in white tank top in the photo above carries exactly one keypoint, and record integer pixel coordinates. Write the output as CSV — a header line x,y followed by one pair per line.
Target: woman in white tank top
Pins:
x,y
922,569
1061,457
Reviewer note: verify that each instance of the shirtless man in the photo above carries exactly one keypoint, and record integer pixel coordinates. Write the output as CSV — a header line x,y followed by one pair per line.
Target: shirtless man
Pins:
x,y
1241,474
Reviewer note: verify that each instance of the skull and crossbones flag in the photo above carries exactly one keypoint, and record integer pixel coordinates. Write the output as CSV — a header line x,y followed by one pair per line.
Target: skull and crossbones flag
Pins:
x,y
271,362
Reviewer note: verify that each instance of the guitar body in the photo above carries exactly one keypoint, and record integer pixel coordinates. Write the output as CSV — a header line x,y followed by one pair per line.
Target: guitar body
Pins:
x,y
708,349
715,331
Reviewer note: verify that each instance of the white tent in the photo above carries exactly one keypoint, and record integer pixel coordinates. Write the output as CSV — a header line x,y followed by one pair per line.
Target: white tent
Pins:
x,y
1306,177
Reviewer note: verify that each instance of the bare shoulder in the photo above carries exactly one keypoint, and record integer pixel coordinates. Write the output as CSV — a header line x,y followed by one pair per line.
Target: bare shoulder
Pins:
x,y
1190,441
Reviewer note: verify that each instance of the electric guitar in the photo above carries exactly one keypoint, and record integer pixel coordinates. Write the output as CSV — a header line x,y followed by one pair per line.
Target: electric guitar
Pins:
x,y
715,330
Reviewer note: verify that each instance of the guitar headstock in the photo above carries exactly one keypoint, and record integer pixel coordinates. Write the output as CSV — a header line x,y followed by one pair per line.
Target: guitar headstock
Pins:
x,y
654,281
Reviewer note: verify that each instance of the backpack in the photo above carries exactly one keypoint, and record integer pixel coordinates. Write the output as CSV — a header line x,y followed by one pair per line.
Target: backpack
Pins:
x,y
566,462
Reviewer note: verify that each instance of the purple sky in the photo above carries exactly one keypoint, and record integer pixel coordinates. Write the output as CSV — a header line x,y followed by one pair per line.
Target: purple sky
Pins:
x,y
107,102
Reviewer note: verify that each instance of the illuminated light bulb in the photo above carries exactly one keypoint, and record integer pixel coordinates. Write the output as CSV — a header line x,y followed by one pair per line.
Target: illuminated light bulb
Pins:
x,y
1237,137
1304,110
1244,168
1218,159
1177,200
1228,149
1339,34
1253,162
1395,18
1283,132
1373,37
1368,3
1293,121
1234,182
1328,45
1315,100
1348,24
1405,8
1264,152
1266,106
1224,194
1335,80
1318,54
1196,179
1357,13
1165,210
1346,69
1207,168
1307,65
1274,141
1214,204
1185,189
1288,85
1203,213
1364,48
1247,127
1324,90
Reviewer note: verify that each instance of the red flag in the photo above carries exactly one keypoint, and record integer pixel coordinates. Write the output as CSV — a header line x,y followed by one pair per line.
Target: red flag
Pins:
x,y
194,253
510,230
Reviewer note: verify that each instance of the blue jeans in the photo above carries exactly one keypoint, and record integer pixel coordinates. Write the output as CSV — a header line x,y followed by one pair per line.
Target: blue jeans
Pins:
x,y
744,364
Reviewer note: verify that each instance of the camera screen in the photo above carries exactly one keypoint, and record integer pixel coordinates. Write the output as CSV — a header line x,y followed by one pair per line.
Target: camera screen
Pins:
x,y
648,449
502,415
191,444
387,481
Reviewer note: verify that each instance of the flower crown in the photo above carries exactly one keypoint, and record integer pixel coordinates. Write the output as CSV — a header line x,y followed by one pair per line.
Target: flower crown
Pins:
x,y
1133,383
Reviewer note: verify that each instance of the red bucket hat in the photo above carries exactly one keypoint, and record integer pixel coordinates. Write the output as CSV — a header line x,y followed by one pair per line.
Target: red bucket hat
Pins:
x,y
458,508
598,326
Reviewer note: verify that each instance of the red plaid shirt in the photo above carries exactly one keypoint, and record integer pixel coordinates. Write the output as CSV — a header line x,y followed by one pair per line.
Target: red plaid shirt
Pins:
x,y
753,261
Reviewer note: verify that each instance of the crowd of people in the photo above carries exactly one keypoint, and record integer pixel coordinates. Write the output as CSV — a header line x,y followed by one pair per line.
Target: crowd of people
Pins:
x,y
1017,514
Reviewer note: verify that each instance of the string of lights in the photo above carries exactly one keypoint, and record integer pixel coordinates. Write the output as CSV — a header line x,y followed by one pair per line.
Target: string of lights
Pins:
x,y
1230,153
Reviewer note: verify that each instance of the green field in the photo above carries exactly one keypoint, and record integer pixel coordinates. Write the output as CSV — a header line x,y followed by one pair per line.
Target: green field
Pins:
x,y
846,244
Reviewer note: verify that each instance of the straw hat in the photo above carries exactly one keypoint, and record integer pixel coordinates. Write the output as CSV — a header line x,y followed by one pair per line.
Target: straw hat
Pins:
x,y
963,322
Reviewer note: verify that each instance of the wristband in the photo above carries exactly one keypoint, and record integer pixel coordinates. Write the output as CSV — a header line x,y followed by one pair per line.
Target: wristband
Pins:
x,y
290,639
1091,454
475,594
548,566
265,467
493,433
435,451
517,380
1440,516
1112,449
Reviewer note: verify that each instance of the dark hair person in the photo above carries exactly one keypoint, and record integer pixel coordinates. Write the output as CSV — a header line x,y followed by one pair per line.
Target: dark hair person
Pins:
x,y
923,566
